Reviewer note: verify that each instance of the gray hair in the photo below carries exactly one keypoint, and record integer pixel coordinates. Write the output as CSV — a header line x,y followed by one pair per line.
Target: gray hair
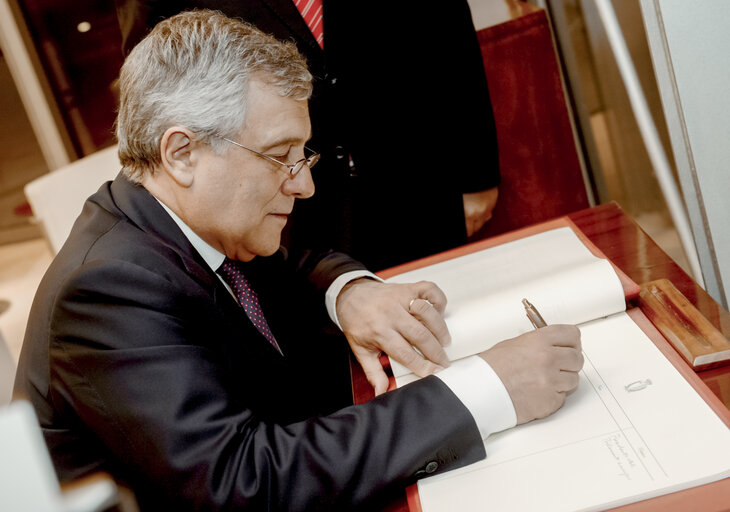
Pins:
x,y
193,70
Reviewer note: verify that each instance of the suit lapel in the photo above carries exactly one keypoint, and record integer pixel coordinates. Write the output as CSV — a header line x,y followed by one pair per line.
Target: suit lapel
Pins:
x,y
142,209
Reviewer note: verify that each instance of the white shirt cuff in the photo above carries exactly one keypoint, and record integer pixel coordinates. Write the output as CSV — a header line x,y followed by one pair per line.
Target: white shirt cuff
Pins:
x,y
482,392
330,297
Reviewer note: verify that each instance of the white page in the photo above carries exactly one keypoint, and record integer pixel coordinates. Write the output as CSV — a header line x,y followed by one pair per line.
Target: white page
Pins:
x,y
554,270
609,445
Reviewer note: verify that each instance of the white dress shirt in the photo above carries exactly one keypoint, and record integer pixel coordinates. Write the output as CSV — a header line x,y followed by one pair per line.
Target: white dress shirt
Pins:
x,y
471,379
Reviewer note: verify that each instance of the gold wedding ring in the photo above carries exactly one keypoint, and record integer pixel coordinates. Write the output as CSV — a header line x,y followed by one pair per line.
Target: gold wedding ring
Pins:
x,y
410,304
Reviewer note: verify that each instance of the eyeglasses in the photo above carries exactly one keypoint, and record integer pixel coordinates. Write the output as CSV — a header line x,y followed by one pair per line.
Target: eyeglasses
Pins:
x,y
294,168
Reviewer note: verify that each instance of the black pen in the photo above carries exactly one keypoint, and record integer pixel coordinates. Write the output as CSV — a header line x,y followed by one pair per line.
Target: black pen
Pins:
x,y
533,315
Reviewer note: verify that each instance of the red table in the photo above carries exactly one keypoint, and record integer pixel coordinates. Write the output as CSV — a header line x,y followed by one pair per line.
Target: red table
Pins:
x,y
629,248
618,236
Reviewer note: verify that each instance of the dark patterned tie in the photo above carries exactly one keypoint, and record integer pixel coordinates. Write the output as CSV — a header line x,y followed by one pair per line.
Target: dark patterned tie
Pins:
x,y
247,298
311,11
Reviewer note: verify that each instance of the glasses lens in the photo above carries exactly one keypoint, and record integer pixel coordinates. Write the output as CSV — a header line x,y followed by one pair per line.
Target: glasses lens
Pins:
x,y
309,162
312,160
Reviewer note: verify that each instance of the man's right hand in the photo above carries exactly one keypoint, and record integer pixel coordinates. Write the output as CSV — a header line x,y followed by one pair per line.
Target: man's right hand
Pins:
x,y
538,369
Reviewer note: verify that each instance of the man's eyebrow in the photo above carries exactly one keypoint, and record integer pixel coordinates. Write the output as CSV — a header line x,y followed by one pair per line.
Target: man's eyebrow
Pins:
x,y
282,142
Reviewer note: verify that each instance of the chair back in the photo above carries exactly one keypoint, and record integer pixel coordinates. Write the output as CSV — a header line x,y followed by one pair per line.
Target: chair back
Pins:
x,y
58,197
542,175
7,372
27,479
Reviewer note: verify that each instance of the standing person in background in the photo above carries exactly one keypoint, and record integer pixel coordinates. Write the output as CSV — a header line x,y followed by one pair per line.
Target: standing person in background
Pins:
x,y
400,113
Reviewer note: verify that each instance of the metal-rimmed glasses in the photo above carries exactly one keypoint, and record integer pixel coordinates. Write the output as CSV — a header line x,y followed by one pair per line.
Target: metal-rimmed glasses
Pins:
x,y
294,168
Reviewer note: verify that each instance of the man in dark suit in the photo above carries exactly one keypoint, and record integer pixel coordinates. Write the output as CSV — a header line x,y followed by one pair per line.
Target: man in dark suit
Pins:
x,y
400,113
173,344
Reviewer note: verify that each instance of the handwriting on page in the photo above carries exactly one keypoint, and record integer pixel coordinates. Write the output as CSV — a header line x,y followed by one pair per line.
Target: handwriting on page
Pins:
x,y
622,454
625,445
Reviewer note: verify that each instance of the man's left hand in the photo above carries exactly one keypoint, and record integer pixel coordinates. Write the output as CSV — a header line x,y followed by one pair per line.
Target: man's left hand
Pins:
x,y
396,319
478,208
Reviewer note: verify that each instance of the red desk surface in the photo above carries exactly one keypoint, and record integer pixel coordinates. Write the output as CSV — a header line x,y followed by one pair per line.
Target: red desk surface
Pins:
x,y
622,241
630,249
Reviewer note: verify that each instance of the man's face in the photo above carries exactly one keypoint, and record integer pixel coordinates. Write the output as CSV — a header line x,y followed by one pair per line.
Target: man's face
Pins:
x,y
242,201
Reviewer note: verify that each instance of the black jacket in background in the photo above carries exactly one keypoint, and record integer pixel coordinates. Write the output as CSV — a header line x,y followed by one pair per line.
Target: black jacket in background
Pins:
x,y
403,91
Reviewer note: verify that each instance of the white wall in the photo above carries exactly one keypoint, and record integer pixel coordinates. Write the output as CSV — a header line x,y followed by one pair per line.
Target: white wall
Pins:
x,y
690,45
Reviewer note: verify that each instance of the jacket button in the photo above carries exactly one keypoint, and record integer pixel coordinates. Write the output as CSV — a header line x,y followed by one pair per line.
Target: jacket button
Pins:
x,y
340,152
431,467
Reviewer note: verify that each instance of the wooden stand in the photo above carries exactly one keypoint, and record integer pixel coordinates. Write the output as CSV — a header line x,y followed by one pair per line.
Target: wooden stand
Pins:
x,y
694,337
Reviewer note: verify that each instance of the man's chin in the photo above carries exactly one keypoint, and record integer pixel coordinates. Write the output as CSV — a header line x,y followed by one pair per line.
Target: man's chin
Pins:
x,y
270,247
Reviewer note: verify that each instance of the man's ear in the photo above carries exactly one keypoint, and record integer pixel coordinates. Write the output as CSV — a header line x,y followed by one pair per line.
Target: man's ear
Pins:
x,y
179,153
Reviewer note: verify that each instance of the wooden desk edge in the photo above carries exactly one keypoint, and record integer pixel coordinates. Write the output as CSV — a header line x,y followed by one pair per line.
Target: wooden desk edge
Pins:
x,y
711,497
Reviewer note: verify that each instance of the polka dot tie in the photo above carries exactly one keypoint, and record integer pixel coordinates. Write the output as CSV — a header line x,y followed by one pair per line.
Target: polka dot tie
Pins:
x,y
247,298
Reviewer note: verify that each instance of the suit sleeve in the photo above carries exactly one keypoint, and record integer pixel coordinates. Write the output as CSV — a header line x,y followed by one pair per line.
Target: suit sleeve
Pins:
x,y
321,268
144,379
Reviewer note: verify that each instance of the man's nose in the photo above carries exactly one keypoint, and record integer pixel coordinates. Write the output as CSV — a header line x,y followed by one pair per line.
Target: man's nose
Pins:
x,y
301,186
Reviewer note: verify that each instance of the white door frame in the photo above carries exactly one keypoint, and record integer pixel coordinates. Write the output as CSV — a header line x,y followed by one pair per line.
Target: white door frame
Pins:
x,y
40,114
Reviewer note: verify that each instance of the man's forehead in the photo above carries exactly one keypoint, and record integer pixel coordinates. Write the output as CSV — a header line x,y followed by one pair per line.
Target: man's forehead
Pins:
x,y
272,119
279,135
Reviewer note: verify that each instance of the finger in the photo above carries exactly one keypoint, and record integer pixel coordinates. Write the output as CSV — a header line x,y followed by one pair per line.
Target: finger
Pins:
x,y
432,293
479,222
567,381
470,227
402,351
558,401
569,359
563,335
373,370
420,337
432,319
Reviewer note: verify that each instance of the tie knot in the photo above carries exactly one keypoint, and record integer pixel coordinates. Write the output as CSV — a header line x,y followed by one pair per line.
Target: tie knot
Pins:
x,y
230,269
232,273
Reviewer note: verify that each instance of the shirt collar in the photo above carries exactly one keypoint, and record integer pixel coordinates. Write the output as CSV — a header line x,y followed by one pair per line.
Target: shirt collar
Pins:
x,y
212,257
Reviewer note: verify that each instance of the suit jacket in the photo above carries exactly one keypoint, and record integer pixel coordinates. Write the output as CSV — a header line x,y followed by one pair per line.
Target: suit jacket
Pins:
x,y
403,93
139,362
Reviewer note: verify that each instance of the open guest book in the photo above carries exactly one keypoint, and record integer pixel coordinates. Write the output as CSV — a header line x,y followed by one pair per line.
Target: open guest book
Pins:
x,y
635,428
